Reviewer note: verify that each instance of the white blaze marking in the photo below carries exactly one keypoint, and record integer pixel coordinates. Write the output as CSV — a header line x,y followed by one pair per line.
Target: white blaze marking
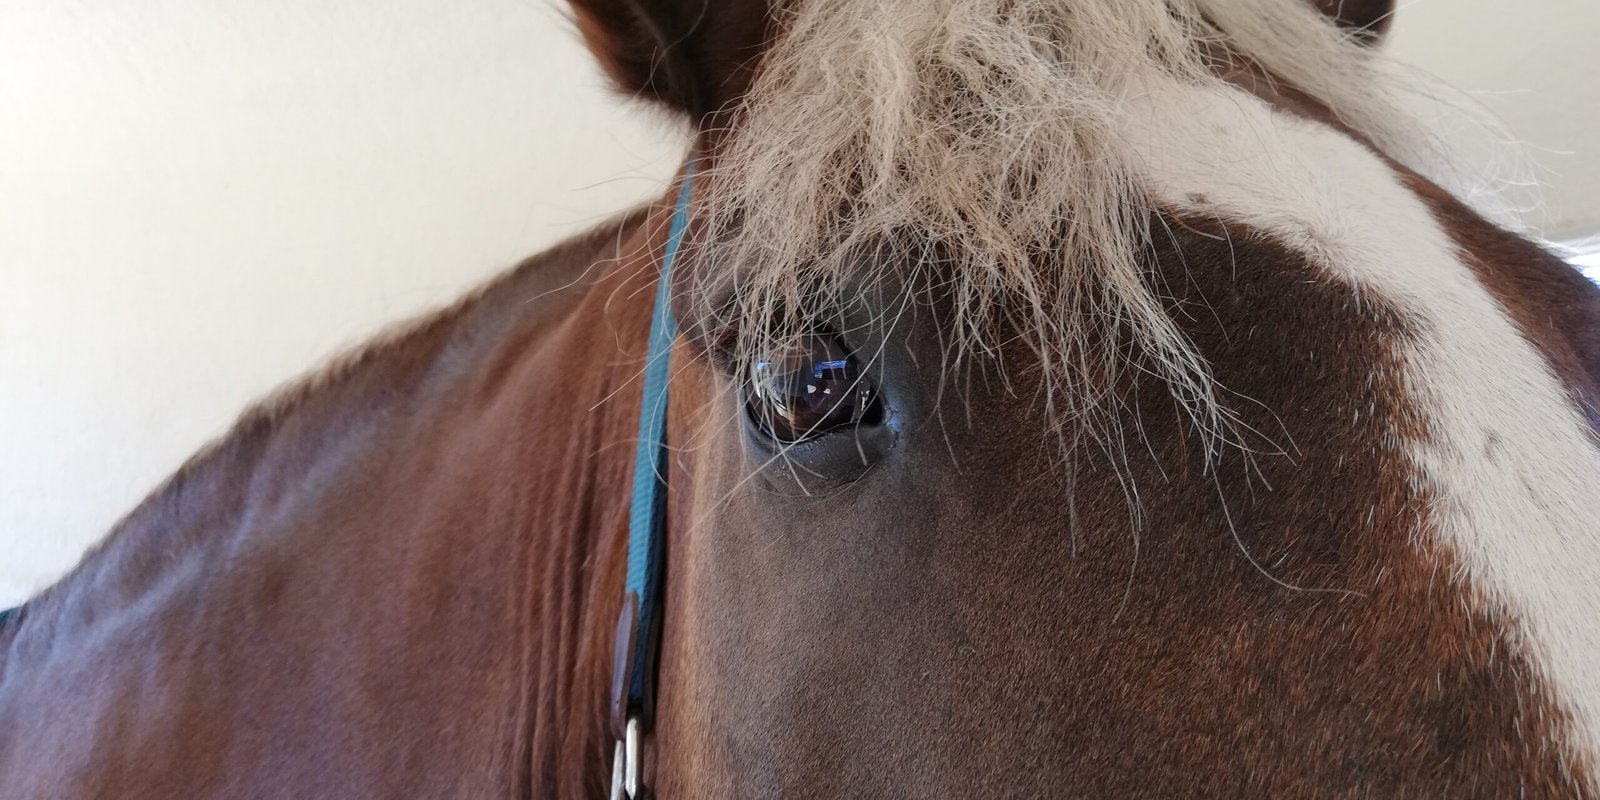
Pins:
x,y
1526,523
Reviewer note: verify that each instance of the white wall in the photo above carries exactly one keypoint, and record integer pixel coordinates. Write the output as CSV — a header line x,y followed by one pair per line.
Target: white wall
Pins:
x,y
199,199
1536,63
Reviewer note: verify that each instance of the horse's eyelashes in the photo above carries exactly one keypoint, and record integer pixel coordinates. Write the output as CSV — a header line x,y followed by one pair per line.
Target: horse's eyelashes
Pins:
x,y
809,389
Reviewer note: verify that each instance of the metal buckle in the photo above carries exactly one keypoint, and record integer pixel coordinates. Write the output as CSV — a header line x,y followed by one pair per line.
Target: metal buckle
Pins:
x,y
618,767
626,764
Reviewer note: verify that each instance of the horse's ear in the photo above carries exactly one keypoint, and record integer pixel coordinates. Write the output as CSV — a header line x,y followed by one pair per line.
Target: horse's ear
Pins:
x,y
691,55
1367,19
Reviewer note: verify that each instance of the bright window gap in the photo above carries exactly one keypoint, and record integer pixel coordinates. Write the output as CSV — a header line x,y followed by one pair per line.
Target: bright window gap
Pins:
x,y
1582,252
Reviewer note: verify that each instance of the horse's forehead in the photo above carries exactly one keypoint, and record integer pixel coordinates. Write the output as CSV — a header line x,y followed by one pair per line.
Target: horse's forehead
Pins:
x,y
1225,153
1495,433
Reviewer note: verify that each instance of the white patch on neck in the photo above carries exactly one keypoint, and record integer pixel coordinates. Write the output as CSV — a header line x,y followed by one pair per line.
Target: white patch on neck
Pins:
x,y
1525,524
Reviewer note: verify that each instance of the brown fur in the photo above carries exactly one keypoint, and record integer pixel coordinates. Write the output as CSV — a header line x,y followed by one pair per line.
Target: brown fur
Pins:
x,y
1120,660
401,579
693,56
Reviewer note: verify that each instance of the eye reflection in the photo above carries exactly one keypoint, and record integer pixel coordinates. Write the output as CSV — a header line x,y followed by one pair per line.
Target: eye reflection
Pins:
x,y
811,389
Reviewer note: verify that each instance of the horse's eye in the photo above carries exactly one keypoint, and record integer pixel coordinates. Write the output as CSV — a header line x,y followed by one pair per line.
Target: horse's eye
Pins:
x,y
813,388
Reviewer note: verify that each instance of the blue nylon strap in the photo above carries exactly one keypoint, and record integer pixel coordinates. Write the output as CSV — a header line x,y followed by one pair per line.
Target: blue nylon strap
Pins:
x,y
647,516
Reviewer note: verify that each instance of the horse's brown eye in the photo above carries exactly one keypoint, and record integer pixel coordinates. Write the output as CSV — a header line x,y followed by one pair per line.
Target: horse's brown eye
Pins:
x,y
813,388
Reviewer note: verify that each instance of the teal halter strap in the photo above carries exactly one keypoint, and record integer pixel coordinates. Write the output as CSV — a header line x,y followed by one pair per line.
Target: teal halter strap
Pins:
x,y
639,625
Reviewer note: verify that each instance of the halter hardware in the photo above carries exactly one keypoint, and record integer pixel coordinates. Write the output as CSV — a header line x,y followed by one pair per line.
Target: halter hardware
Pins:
x,y
633,675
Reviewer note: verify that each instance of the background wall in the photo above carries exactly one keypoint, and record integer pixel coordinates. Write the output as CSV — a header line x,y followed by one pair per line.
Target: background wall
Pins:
x,y
202,198
1536,63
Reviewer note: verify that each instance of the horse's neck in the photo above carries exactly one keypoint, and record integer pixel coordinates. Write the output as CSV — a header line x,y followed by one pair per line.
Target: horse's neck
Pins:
x,y
399,567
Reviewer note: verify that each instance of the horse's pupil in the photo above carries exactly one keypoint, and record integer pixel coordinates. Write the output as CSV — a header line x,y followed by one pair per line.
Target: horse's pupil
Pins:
x,y
807,390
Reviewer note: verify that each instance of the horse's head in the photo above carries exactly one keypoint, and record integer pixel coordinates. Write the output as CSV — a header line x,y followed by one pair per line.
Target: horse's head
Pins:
x,y
1105,397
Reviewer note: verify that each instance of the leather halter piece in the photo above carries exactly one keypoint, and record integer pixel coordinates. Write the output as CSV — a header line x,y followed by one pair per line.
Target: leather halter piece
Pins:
x,y
633,675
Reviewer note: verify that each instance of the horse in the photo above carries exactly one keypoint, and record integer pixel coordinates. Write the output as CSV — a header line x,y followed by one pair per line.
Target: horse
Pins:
x,y
1066,398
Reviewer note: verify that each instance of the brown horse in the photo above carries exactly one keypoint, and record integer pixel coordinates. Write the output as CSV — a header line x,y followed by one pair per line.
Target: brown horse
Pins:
x,y
1075,398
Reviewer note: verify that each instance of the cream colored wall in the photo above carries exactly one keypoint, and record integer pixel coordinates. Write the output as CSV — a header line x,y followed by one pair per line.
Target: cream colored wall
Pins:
x,y
201,199
1536,63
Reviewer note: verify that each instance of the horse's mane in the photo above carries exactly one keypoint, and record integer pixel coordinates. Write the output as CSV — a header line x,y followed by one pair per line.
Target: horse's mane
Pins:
x,y
982,136
390,361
